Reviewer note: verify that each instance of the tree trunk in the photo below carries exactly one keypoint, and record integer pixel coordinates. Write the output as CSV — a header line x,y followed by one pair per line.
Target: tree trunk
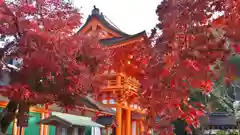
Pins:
x,y
8,115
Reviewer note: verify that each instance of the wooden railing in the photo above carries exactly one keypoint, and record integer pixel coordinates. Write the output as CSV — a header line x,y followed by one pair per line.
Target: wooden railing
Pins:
x,y
120,81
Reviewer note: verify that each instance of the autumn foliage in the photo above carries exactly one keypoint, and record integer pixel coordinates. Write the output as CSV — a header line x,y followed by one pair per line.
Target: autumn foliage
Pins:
x,y
190,48
53,59
53,63
193,41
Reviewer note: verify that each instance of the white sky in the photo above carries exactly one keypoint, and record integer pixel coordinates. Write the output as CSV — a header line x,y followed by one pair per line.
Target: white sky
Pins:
x,y
131,16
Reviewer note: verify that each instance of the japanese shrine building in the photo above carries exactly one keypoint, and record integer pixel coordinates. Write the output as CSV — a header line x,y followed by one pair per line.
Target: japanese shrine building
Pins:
x,y
121,92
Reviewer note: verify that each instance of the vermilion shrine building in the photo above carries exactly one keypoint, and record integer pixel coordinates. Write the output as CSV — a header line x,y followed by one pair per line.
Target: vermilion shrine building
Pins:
x,y
120,94
121,90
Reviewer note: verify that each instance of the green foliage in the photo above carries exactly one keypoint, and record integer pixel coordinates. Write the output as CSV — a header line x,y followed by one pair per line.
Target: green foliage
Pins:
x,y
224,132
223,95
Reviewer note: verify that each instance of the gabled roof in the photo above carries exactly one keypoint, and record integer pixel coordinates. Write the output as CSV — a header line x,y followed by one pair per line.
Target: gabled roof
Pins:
x,y
221,118
89,104
69,120
102,19
118,38
218,120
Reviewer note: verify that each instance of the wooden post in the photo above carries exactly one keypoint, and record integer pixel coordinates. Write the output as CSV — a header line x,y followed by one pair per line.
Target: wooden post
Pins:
x,y
70,131
137,127
141,127
128,122
119,120
42,126
15,127
58,130
123,123
119,80
81,131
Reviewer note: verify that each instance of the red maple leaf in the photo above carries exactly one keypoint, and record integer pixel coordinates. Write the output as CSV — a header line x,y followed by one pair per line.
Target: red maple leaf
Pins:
x,y
58,65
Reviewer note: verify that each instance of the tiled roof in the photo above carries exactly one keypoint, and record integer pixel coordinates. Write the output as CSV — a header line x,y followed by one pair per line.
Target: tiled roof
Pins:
x,y
221,118
218,120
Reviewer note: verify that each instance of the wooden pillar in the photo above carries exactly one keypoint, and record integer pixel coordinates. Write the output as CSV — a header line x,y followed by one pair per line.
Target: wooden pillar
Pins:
x,y
58,130
128,122
81,131
45,127
42,126
20,131
137,127
15,127
141,127
123,123
70,131
119,120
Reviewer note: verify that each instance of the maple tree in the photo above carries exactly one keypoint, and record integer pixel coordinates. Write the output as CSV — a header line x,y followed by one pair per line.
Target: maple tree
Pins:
x,y
43,57
193,42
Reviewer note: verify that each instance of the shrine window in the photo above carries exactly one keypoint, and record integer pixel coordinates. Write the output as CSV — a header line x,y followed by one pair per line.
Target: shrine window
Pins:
x,y
114,109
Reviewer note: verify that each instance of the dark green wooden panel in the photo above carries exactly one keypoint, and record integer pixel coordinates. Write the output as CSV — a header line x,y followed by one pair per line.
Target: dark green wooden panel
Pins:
x,y
33,128
52,130
88,131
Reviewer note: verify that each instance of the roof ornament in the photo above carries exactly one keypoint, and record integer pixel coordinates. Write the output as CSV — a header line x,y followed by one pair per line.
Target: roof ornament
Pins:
x,y
95,10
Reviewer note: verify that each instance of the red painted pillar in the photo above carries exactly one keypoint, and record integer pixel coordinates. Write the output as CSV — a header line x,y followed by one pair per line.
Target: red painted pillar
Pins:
x,y
128,122
119,120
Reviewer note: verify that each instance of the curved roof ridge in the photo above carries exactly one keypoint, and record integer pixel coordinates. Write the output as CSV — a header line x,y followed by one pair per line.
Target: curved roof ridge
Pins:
x,y
112,23
104,20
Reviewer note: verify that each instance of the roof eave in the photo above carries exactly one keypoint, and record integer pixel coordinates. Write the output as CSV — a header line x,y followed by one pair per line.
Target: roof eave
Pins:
x,y
90,17
46,121
129,38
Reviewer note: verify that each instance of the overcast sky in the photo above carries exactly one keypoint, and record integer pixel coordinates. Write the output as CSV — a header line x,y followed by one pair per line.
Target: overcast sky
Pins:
x,y
131,16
